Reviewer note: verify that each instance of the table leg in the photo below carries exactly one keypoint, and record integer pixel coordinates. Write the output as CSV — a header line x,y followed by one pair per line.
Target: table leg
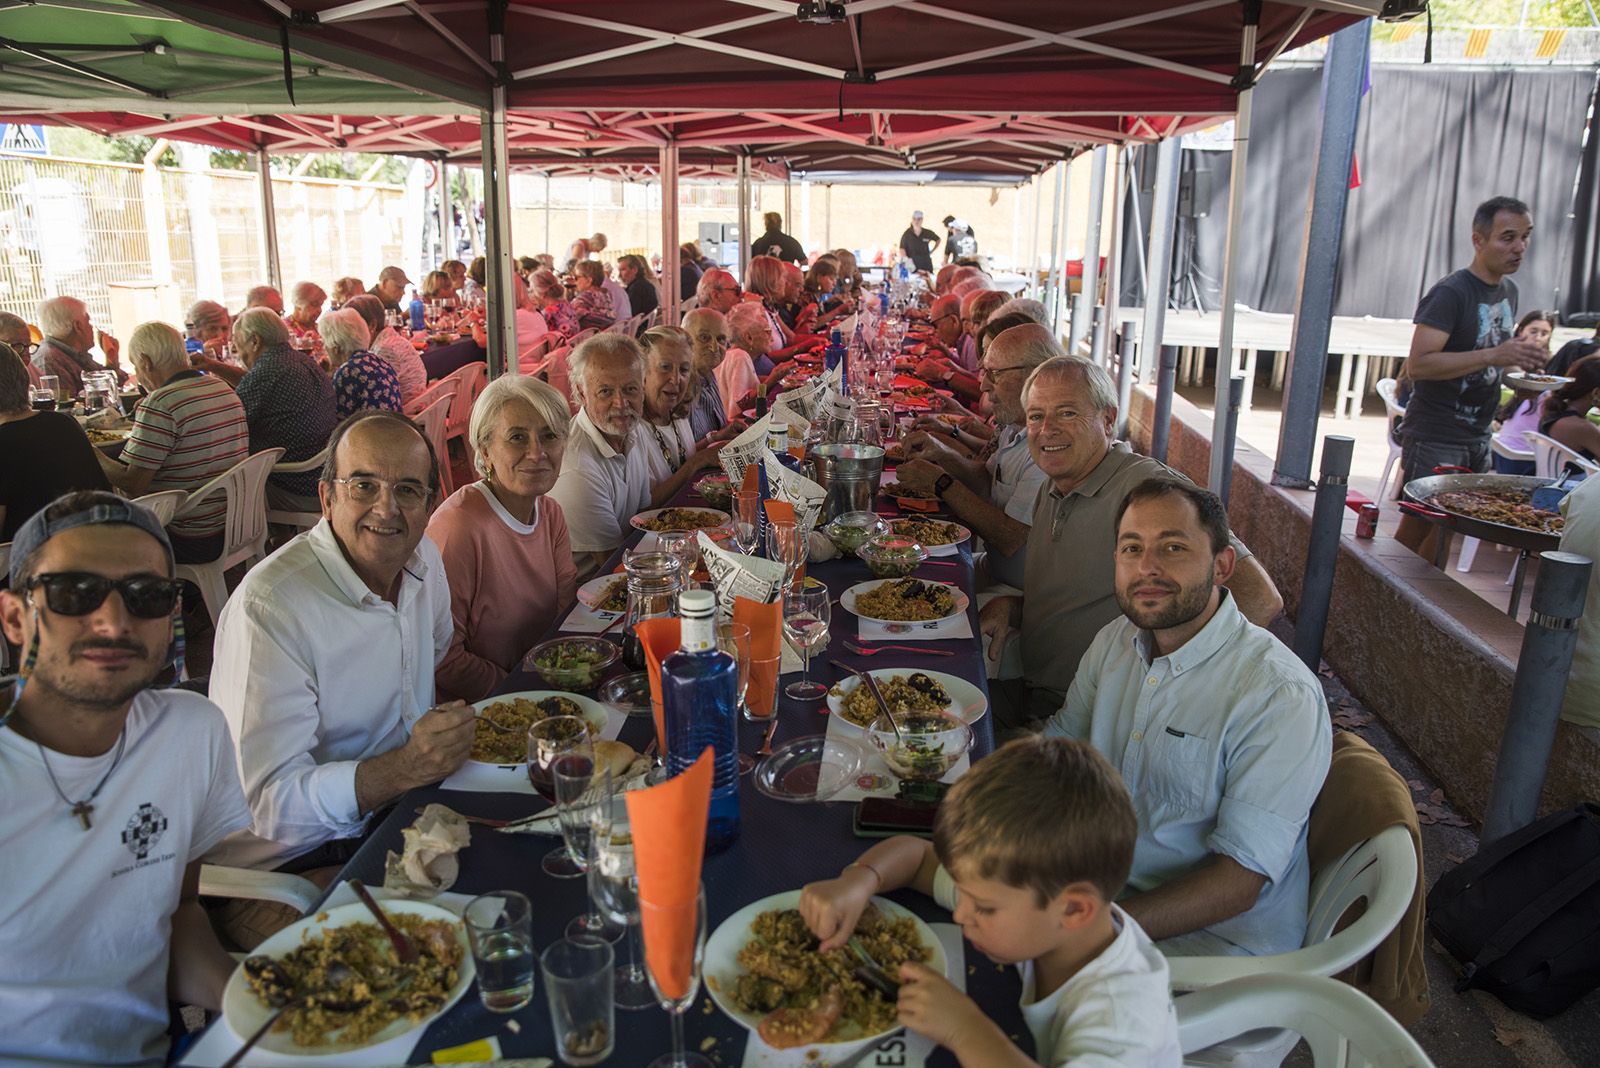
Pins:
x,y
1249,371
1358,384
1518,571
1279,365
1441,550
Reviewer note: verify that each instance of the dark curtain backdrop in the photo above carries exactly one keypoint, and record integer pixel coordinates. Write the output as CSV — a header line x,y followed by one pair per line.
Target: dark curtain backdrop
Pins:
x,y
1432,145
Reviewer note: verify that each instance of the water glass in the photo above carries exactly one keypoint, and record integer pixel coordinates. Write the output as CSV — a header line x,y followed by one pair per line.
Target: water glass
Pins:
x,y
787,546
577,983
695,914
53,384
614,887
746,520
806,615
562,742
499,929
579,804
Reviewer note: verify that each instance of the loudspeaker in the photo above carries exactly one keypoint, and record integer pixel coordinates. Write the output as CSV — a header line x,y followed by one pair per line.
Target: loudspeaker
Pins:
x,y
1194,194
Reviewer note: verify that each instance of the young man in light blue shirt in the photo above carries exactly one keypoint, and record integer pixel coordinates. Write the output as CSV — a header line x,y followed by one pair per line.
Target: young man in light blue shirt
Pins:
x,y
1221,733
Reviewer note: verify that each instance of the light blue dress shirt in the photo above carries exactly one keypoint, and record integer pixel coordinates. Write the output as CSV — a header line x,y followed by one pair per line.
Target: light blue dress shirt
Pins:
x,y
1224,745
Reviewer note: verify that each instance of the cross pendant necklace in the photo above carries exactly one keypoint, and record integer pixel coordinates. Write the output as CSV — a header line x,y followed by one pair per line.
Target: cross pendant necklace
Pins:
x,y
85,808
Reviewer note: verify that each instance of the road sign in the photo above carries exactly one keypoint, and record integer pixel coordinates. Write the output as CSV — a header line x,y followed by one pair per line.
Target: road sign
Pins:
x,y
26,139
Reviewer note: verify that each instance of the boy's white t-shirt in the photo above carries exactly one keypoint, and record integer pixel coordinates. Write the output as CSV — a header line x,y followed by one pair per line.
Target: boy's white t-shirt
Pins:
x,y
1116,1012
86,916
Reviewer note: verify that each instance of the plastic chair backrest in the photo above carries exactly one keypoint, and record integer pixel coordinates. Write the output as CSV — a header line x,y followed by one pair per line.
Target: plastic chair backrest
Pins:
x,y
557,374
164,503
244,487
1343,1027
1389,390
470,381
1550,457
533,357
445,387
434,419
1498,446
312,463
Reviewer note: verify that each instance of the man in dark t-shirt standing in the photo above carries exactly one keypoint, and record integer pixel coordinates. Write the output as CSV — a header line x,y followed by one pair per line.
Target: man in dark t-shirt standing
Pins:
x,y
1463,338
917,244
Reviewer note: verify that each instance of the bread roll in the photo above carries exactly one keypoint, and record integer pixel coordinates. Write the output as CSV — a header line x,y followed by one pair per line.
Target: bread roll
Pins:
x,y
615,755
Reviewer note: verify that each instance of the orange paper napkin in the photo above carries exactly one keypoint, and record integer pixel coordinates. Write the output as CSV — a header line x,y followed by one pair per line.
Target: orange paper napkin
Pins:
x,y
669,840
660,637
779,511
766,648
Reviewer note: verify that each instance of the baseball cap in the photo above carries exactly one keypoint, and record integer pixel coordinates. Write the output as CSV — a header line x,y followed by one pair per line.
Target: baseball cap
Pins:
x,y
393,274
84,509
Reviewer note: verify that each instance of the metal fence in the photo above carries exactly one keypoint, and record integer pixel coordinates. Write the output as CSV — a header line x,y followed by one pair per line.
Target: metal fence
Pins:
x,y
77,227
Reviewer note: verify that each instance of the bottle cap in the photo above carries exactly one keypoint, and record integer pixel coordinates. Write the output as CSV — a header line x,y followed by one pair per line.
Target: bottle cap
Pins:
x,y
696,603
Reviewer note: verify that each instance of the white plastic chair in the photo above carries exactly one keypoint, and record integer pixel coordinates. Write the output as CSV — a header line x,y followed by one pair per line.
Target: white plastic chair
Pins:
x,y
433,420
1389,390
1550,457
445,387
302,520
250,885
1498,446
1382,872
1343,1027
163,503
244,528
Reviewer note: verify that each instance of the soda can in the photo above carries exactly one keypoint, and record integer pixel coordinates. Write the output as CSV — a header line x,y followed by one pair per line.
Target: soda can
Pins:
x,y
1367,521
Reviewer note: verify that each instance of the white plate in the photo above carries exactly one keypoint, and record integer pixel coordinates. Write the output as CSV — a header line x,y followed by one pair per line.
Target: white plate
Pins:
x,y
722,969
591,592
638,522
936,550
593,711
966,700
848,601
1523,381
244,1013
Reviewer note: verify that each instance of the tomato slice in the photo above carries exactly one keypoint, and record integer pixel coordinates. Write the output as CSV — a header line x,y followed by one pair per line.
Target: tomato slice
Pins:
x,y
788,1028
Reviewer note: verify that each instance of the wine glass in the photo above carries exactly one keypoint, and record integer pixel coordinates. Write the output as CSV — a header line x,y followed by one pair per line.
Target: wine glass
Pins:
x,y
614,886
579,793
662,981
564,742
786,545
806,613
746,520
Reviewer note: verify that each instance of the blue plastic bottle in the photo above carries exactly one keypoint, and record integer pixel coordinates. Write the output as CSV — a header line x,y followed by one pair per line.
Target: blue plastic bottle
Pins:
x,y
699,702
418,322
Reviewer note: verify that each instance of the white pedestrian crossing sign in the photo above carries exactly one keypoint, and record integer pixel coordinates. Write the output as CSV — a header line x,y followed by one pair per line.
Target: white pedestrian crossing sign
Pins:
x,y
25,138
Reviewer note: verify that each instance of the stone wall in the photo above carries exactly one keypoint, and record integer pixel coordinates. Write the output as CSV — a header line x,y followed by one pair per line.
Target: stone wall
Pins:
x,y
1425,655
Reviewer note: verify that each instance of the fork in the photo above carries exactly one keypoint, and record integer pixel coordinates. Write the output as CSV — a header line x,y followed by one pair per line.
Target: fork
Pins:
x,y
481,718
861,650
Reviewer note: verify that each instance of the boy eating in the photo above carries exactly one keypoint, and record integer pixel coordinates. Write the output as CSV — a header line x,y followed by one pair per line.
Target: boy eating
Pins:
x,y
1029,851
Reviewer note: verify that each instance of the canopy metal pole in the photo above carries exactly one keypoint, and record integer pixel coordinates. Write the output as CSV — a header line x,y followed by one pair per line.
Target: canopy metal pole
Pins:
x,y
1322,551
447,247
1091,251
497,223
788,201
1343,74
744,219
1033,235
1221,457
1053,276
269,223
669,234
1158,259
1101,352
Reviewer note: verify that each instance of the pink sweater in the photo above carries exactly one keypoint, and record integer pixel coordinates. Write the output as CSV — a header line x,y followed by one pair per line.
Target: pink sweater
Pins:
x,y
509,584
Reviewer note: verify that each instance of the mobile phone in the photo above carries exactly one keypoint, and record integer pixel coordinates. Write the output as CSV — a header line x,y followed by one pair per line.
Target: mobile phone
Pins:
x,y
883,817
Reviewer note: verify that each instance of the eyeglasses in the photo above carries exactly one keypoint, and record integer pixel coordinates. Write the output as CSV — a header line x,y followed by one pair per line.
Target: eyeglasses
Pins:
x,y
995,372
950,315
365,490
77,593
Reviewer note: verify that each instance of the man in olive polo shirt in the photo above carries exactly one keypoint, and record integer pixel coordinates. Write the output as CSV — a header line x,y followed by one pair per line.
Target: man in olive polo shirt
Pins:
x,y
1070,412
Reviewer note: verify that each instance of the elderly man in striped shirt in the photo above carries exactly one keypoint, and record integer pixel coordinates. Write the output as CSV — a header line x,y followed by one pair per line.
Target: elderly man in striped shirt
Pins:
x,y
190,429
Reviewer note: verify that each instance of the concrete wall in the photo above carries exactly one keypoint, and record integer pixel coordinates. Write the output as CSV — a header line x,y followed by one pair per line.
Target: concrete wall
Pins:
x,y
1423,653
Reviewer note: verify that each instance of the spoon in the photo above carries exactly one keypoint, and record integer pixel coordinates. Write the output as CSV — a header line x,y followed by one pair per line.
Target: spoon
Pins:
x,y
403,949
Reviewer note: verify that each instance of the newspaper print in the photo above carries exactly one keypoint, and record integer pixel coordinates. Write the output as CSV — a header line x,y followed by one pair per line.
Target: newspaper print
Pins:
x,y
744,450
735,575
796,489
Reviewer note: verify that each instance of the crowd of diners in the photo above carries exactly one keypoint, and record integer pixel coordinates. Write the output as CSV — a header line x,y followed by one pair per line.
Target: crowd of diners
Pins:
x,y
1162,754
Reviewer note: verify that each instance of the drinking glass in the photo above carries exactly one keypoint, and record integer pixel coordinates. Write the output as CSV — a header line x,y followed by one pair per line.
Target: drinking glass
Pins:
x,y
786,545
559,741
577,984
692,913
806,614
685,545
41,399
499,929
53,384
614,886
578,794
746,520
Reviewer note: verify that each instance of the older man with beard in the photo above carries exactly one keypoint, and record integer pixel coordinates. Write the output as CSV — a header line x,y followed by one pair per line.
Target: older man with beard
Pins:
x,y
1220,732
114,790
606,474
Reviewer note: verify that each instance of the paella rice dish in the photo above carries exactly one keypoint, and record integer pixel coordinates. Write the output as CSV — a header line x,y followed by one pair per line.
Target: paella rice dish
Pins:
x,y
915,692
806,995
895,489
675,519
1510,508
614,598
510,746
907,600
929,531
345,984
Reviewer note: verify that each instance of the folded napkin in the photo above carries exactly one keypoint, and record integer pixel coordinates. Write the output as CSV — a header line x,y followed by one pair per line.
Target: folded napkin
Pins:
x,y
942,630
669,840
660,638
585,620
766,641
427,864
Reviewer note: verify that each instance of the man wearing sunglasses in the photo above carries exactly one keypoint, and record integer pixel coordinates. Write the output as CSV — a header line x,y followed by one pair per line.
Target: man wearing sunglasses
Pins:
x,y
113,792
324,667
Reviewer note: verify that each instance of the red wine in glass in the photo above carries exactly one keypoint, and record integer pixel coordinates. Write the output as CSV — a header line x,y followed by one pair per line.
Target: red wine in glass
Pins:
x,y
542,773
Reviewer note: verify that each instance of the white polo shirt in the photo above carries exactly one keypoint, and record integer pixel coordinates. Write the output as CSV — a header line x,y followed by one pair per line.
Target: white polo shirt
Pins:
x,y
1014,481
315,674
599,488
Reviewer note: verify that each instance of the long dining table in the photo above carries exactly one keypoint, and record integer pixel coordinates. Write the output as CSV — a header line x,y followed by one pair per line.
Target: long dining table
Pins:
x,y
782,846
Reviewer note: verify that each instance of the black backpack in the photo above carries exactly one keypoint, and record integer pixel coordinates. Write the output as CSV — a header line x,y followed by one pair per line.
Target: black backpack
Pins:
x,y
1523,916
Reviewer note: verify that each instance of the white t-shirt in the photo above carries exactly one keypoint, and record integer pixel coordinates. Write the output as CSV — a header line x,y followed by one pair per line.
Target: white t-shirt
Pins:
x,y
599,488
1116,1012
86,916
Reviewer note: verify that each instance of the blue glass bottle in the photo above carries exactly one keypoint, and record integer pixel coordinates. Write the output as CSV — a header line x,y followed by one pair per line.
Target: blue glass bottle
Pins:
x,y
699,701
418,318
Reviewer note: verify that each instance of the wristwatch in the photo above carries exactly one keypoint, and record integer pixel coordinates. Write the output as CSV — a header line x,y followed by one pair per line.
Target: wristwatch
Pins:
x,y
942,483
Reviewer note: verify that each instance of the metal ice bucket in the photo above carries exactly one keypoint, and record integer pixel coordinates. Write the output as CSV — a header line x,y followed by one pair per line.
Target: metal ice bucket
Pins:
x,y
849,475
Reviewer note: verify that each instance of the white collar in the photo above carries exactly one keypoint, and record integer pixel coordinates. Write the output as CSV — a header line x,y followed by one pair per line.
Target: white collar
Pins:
x,y
325,547
516,525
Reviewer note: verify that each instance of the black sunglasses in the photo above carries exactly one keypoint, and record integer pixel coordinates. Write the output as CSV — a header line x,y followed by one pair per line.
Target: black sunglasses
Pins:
x,y
77,593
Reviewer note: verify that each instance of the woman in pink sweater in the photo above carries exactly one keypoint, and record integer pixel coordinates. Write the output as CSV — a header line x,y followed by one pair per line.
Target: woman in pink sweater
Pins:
x,y
503,541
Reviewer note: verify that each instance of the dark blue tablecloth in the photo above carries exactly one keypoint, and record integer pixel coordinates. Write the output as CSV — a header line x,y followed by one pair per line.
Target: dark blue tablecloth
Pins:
x,y
440,360
781,847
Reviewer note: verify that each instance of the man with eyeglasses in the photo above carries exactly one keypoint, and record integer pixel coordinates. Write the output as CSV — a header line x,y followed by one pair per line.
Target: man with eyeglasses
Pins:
x,y
114,791
324,666
940,365
15,333
717,290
